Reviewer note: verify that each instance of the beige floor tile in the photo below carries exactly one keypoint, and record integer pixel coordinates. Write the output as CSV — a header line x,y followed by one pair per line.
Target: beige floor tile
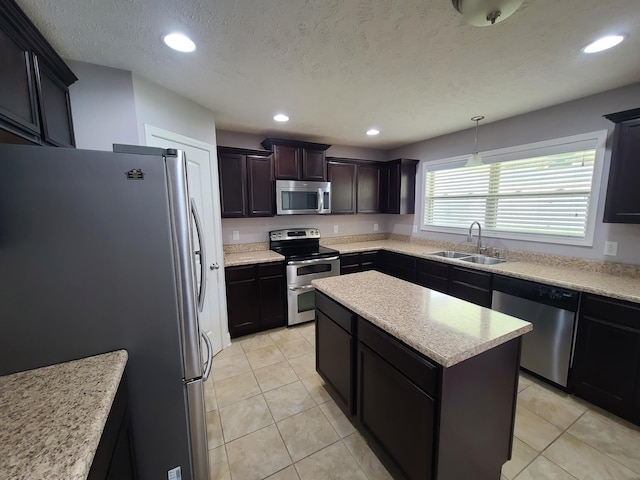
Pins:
x,y
256,342
533,430
275,376
232,350
214,429
551,404
296,347
257,455
316,386
245,416
542,468
218,464
306,433
521,456
288,400
210,401
285,335
288,473
234,389
304,365
368,461
331,463
311,338
229,367
265,357
523,382
611,435
337,418
585,462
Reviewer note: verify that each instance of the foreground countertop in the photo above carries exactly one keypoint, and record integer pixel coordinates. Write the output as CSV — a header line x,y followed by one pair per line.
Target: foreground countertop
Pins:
x,y
52,418
445,329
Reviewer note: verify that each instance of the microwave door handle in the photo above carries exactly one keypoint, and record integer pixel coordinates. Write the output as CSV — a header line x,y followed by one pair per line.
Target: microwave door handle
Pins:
x,y
203,256
320,201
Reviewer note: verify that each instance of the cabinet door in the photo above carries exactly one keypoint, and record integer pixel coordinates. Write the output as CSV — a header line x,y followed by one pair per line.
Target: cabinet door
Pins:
x,y
313,165
623,196
233,185
286,162
343,187
243,307
433,275
606,363
273,301
55,108
349,263
18,104
370,261
397,413
471,285
260,187
368,189
401,266
334,359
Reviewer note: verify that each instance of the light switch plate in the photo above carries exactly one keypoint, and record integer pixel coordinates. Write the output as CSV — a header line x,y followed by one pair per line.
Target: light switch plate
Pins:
x,y
235,235
375,227
415,229
611,248
335,229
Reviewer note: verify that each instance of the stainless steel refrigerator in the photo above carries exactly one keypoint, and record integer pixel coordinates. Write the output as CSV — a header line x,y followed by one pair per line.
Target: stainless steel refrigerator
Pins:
x,y
102,251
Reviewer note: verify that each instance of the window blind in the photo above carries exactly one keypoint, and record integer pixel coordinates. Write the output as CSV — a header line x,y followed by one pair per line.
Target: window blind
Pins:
x,y
542,195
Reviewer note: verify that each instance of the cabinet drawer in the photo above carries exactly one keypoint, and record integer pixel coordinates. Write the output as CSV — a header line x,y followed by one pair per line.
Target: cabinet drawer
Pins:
x,y
347,259
610,310
436,269
401,261
472,277
244,272
336,312
271,269
417,368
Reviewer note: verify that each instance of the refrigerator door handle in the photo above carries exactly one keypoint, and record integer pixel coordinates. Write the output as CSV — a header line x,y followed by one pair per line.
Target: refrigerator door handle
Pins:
x,y
203,256
207,364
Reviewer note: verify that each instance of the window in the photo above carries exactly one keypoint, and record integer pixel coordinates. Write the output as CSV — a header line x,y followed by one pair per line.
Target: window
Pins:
x,y
542,191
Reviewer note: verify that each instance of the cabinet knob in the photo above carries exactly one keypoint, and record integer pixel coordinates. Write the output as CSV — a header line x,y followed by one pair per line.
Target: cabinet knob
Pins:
x,y
214,266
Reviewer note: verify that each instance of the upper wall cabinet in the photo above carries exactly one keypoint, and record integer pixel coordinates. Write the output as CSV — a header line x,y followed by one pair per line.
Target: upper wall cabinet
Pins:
x,y
623,194
398,186
354,185
294,160
34,84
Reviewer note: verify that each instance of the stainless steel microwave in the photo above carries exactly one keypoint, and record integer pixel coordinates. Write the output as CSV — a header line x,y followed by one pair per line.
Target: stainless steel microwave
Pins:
x,y
296,197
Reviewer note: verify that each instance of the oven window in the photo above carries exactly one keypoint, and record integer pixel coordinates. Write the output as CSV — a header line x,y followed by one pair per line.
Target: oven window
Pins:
x,y
309,269
306,301
299,200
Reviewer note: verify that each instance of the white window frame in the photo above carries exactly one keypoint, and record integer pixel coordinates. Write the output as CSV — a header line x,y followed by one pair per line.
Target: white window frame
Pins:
x,y
528,150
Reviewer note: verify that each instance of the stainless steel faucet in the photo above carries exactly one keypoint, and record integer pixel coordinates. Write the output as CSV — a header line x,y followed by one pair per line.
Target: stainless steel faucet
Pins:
x,y
469,237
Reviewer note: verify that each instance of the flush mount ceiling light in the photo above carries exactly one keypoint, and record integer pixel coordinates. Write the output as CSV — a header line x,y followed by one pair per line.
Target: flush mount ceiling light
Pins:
x,y
604,43
475,160
281,117
179,42
481,13
373,131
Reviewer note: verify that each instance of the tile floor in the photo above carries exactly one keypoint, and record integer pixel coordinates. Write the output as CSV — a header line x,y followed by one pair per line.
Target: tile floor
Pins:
x,y
269,415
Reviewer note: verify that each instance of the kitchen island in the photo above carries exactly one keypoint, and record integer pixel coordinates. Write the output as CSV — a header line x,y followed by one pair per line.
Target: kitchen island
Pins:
x,y
433,379
53,418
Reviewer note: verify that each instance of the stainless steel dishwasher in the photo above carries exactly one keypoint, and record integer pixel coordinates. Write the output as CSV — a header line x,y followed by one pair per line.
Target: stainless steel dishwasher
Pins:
x,y
546,351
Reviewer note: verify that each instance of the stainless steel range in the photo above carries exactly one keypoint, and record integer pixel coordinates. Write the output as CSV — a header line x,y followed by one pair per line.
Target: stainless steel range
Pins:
x,y
306,261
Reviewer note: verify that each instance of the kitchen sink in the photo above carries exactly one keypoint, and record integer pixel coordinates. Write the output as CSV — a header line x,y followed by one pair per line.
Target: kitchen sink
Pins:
x,y
449,254
482,260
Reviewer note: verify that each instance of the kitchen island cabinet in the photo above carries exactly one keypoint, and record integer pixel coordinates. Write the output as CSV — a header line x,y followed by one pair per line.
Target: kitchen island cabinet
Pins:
x,y
424,362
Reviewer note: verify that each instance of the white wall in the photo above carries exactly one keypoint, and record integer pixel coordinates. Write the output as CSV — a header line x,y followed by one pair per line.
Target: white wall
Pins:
x,y
102,106
579,116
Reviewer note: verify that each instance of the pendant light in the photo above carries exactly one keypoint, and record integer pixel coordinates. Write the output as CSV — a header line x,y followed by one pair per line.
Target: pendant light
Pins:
x,y
482,13
475,160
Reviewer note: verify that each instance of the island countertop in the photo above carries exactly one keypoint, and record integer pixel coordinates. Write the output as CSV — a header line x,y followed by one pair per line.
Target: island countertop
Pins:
x,y
52,417
445,329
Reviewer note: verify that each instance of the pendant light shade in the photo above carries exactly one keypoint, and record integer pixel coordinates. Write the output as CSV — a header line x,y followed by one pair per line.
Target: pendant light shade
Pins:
x,y
482,13
475,160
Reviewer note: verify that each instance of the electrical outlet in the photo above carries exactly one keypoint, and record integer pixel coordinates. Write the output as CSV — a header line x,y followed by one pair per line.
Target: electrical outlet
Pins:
x,y
235,235
375,227
415,229
335,229
611,248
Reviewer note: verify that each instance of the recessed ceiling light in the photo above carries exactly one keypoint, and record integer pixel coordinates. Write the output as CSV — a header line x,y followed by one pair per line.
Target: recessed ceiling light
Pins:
x,y
179,42
373,131
603,43
281,117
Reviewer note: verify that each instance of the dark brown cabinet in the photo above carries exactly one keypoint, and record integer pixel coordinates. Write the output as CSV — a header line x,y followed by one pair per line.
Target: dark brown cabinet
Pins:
x,y
343,186
400,266
606,366
398,186
471,285
433,275
256,297
359,262
623,196
295,160
368,189
34,81
355,185
246,183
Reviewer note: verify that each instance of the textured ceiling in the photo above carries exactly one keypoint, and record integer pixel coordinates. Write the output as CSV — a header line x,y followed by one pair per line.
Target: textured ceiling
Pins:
x,y
412,68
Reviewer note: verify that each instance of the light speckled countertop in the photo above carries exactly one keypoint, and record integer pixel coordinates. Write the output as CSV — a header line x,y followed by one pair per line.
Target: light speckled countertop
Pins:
x,y
247,258
444,328
52,418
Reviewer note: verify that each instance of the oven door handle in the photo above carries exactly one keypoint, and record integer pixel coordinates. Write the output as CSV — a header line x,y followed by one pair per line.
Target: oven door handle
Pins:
x,y
315,260
305,287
